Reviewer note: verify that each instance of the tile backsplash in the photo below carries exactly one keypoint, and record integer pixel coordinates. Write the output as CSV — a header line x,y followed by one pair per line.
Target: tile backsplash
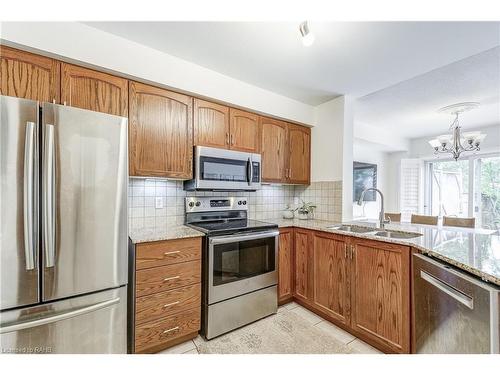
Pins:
x,y
266,203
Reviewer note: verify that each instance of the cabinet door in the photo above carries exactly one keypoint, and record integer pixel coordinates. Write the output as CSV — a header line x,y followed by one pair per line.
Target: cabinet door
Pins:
x,y
299,154
273,149
331,286
160,133
211,124
96,91
29,76
303,265
381,293
244,131
285,265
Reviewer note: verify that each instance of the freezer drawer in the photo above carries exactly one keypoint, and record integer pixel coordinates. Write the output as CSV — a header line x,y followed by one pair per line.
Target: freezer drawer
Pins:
x,y
453,312
95,323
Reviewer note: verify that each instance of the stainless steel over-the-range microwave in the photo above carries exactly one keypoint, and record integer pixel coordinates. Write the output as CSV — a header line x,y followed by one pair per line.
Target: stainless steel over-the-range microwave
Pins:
x,y
224,170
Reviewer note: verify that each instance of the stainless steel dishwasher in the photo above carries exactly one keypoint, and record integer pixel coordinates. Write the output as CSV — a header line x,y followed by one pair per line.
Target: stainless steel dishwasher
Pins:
x,y
453,312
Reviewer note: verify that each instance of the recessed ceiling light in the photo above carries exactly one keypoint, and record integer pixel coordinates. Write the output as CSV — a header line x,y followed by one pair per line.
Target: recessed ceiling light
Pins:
x,y
307,35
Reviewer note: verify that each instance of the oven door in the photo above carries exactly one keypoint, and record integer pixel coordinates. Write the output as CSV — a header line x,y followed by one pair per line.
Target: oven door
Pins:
x,y
240,264
218,169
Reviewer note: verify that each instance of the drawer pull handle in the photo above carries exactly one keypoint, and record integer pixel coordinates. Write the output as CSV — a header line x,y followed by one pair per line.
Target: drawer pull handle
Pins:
x,y
170,330
172,252
171,304
171,278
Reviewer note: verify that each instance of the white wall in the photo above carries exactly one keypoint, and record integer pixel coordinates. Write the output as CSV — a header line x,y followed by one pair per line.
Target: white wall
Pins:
x,y
367,152
332,142
85,45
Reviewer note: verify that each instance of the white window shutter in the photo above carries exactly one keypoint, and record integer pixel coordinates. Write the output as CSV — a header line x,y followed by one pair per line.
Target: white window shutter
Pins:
x,y
411,188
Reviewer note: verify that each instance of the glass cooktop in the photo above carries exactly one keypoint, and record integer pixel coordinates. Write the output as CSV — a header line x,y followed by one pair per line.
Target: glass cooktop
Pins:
x,y
230,226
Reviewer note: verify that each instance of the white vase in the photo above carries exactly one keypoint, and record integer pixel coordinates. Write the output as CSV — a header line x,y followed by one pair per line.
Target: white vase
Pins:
x,y
303,216
288,214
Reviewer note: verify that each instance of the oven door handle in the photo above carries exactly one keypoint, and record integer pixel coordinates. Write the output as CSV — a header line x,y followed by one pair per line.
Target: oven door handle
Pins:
x,y
239,238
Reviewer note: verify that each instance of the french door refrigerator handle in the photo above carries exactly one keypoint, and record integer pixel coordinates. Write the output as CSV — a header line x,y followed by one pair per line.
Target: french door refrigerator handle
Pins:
x,y
445,288
49,196
28,196
58,317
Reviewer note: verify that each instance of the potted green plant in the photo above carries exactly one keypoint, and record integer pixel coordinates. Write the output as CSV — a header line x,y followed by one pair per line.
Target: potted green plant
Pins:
x,y
306,211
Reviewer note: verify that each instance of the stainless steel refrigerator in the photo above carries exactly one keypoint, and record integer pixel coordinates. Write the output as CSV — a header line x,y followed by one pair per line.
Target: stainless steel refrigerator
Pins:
x,y
63,229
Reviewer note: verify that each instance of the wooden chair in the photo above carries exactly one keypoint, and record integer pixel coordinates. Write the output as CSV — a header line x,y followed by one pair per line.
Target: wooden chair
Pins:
x,y
465,222
424,219
393,217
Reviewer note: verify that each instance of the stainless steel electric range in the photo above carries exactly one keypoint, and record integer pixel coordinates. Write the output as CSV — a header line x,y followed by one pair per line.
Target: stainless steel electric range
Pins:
x,y
240,259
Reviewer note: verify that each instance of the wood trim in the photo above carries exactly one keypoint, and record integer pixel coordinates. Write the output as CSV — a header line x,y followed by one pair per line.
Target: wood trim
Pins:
x,y
10,86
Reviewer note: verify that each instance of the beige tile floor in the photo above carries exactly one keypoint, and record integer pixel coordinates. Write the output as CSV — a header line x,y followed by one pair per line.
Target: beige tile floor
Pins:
x,y
359,347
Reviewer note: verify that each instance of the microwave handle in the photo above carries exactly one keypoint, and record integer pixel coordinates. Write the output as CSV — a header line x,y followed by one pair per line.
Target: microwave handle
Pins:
x,y
249,171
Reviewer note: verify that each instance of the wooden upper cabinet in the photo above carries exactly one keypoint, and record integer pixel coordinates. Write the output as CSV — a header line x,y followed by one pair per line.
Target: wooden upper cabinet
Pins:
x,y
380,274
29,76
299,159
160,133
331,285
304,280
273,149
244,131
211,124
285,265
93,90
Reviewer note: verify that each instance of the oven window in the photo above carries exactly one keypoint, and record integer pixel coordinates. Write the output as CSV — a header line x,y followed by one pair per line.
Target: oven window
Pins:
x,y
241,260
219,169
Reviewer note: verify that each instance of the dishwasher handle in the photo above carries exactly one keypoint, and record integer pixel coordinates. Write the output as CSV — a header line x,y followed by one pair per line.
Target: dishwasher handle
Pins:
x,y
450,291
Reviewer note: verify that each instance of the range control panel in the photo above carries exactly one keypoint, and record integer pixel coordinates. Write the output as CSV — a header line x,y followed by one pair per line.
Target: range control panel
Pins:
x,y
204,204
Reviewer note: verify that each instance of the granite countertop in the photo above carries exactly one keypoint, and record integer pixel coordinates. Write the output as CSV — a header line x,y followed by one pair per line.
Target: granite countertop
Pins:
x,y
476,251
169,232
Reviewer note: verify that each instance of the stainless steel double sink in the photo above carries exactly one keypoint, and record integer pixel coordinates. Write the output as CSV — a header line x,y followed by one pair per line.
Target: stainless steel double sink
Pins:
x,y
375,231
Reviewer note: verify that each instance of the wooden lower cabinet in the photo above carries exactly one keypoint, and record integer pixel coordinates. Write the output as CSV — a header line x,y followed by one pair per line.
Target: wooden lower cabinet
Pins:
x,y
331,276
380,274
303,264
285,265
361,285
167,300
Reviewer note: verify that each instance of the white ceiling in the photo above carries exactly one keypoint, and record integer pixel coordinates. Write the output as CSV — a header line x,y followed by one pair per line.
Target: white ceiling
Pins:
x,y
409,109
352,58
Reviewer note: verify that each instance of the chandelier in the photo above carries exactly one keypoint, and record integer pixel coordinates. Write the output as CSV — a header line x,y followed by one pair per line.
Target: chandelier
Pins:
x,y
457,142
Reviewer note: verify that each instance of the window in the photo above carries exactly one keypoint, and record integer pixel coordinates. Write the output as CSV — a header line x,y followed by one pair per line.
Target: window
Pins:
x,y
469,187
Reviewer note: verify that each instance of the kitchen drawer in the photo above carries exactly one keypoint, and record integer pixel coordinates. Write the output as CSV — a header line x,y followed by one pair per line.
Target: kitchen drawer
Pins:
x,y
163,304
162,331
159,279
162,253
